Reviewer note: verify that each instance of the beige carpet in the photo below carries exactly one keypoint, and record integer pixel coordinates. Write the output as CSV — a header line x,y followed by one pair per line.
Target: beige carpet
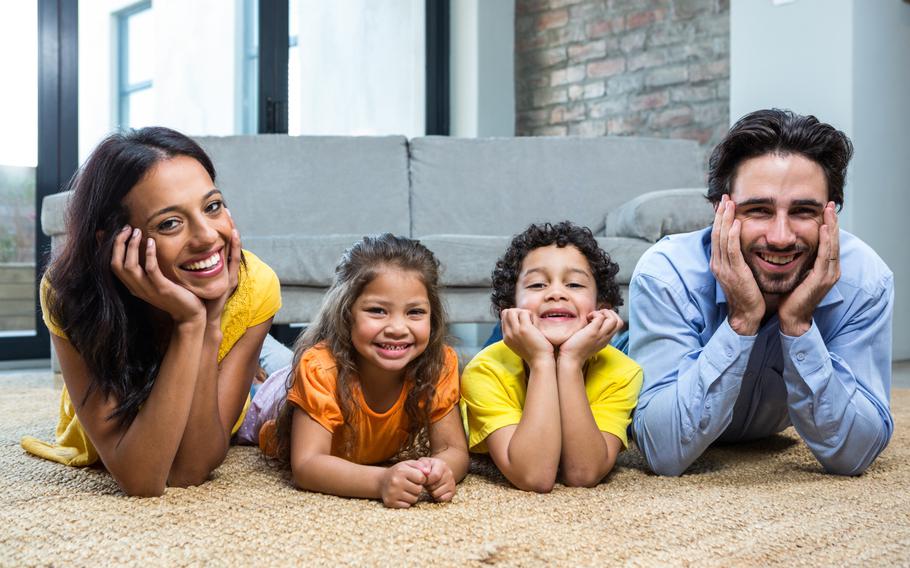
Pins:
x,y
761,504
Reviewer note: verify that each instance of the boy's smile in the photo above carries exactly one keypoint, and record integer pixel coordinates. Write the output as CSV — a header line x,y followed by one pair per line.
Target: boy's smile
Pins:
x,y
557,286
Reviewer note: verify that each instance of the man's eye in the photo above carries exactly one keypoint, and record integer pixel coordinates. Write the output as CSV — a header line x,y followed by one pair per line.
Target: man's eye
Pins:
x,y
805,212
758,212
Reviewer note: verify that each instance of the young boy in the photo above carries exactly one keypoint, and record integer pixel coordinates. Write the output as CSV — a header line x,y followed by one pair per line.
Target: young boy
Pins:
x,y
553,395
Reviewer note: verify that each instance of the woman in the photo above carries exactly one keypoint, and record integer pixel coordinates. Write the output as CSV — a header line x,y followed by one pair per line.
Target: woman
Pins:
x,y
156,315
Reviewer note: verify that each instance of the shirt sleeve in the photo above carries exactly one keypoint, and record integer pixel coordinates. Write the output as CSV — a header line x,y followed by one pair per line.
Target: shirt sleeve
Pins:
x,y
612,409
267,291
314,390
689,389
838,387
488,404
447,388
44,297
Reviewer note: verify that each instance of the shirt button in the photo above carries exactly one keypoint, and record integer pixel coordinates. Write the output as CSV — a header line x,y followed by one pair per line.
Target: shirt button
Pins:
x,y
729,352
800,356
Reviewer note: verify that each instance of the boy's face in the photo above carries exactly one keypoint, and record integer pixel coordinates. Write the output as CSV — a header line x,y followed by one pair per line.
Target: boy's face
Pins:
x,y
557,286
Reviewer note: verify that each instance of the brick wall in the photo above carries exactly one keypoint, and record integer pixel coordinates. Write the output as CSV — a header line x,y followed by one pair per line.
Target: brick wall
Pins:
x,y
623,67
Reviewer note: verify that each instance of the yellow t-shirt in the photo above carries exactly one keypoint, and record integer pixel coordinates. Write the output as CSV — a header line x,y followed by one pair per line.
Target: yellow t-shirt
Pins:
x,y
256,299
494,387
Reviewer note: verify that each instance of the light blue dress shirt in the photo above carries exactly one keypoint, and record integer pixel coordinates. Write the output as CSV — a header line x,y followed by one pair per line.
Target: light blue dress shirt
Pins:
x,y
703,382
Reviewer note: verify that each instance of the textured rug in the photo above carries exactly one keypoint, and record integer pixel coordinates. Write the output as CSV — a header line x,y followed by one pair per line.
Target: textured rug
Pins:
x,y
759,504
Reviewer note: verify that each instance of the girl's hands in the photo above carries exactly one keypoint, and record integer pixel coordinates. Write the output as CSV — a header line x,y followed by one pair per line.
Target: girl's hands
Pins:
x,y
402,484
148,284
521,334
587,341
440,483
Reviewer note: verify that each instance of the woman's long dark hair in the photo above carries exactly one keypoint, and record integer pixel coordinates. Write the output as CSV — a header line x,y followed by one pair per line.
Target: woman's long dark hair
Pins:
x,y
359,265
106,324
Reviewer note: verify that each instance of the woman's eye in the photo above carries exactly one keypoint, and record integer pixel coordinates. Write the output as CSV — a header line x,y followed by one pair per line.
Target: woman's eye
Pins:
x,y
167,225
214,206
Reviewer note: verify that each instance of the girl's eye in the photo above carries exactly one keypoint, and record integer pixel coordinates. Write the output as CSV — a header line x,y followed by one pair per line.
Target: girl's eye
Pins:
x,y
375,310
417,312
575,285
214,206
535,285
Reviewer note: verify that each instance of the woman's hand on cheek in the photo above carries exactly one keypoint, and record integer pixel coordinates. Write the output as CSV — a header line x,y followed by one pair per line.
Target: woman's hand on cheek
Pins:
x,y
148,283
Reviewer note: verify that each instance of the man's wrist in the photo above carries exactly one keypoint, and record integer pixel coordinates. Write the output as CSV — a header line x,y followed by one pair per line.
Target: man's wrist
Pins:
x,y
794,327
744,325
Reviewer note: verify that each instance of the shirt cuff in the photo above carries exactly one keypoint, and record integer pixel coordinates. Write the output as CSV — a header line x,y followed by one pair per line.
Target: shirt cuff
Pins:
x,y
727,351
807,353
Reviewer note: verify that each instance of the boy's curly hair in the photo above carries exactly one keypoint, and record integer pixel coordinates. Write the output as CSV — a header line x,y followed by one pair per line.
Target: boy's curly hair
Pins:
x,y
508,268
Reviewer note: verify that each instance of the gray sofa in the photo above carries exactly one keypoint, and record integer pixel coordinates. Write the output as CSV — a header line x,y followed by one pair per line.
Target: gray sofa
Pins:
x,y
300,201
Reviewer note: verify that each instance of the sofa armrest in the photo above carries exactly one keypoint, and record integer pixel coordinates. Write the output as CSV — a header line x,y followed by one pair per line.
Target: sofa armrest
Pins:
x,y
53,213
655,214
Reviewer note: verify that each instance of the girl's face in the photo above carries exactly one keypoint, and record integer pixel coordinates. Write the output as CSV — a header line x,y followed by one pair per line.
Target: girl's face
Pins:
x,y
177,204
391,324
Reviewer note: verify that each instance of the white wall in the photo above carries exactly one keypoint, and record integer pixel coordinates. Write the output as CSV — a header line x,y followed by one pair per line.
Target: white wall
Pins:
x,y
361,68
846,62
482,83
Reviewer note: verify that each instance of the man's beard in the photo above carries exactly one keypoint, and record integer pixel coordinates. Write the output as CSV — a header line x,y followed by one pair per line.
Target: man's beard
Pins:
x,y
780,284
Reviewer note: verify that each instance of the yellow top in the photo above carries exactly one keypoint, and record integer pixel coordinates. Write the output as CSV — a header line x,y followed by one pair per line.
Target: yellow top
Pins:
x,y
256,299
494,387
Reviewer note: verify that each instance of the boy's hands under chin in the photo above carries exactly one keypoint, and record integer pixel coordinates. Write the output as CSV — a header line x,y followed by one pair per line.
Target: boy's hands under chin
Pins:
x,y
589,340
521,334
440,483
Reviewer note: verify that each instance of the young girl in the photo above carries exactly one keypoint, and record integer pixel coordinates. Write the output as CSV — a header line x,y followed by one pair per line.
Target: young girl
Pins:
x,y
372,381
156,315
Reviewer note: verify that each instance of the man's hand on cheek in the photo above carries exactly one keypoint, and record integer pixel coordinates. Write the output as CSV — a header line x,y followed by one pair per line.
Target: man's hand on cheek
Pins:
x,y
796,308
521,334
745,303
586,342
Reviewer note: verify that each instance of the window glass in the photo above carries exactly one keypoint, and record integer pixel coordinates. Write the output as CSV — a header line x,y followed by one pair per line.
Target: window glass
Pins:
x,y
18,158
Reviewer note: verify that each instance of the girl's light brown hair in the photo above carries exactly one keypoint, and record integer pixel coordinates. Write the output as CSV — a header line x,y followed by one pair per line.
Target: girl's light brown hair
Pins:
x,y
332,327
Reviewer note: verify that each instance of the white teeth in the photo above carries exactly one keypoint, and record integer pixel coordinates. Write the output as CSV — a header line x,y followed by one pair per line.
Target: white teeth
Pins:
x,y
203,264
393,347
775,259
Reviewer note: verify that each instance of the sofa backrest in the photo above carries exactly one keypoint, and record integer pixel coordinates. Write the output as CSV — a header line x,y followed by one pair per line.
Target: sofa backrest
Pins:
x,y
497,186
313,185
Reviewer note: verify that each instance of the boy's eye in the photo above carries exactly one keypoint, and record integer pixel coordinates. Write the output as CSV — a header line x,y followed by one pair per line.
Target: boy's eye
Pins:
x,y
535,285
575,285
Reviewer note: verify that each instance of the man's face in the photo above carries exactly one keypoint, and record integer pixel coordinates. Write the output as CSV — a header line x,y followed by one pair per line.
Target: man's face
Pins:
x,y
780,201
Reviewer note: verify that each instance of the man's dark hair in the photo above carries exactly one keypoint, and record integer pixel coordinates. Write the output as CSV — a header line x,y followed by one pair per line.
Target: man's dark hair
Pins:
x,y
505,274
783,132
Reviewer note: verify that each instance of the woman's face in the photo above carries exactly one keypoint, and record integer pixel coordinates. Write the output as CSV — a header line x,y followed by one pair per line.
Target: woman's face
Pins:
x,y
177,204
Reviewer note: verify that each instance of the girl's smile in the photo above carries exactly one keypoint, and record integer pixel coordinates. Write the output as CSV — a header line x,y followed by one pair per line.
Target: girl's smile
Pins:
x,y
391,324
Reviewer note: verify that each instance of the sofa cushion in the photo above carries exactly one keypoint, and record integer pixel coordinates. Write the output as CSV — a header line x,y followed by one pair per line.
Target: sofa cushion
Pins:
x,y
313,185
468,260
656,214
301,260
497,186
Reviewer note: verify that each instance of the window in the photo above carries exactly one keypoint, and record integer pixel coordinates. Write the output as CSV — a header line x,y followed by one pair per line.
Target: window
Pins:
x,y
135,66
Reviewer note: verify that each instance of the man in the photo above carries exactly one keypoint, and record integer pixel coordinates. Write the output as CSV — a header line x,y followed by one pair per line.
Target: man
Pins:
x,y
769,318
